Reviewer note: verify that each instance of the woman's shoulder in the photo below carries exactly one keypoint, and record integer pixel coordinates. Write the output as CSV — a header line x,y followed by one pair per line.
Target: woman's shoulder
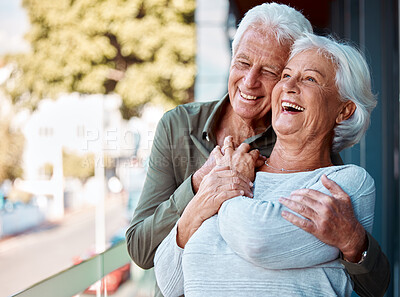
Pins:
x,y
351,177
348,170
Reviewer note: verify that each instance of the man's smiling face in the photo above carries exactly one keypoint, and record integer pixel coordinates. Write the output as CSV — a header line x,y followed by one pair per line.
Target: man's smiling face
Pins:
x,y
255,69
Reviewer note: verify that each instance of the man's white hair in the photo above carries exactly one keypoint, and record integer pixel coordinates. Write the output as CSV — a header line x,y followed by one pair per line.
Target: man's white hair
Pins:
x,y
353,82
286,23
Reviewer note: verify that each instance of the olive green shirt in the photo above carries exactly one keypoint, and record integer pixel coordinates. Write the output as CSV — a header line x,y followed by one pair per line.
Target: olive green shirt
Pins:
x,y
182,143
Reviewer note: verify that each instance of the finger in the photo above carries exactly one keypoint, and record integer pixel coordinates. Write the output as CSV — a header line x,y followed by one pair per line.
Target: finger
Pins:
x,y
228,145
219,168
307,201
244,178
310,193
243,147
246,191
304,224
333,187
234,183
232,173
216,155
216,152
260,161
226,195
255,154
300,208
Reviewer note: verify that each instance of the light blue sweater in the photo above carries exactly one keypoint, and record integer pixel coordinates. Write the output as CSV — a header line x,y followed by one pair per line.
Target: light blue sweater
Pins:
x,y
248,249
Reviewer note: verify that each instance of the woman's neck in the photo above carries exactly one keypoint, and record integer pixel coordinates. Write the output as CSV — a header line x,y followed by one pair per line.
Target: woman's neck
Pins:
x,y
295,157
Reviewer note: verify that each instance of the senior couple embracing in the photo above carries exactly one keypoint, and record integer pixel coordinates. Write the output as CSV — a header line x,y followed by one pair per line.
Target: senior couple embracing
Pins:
x,y
262,205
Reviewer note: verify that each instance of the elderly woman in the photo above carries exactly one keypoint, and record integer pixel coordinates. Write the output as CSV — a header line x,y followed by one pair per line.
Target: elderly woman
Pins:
x,y
321,104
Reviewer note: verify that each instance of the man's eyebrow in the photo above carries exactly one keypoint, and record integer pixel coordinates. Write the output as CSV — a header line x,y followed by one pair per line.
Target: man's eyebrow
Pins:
x,y
243,56
273,67
268,66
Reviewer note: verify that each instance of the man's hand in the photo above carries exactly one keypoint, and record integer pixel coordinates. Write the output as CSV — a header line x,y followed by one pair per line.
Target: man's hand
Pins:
x,y
198,176
219,185
329,218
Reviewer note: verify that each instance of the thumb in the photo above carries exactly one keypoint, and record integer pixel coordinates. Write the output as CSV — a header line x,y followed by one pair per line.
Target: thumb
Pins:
x,y
333,187
254,154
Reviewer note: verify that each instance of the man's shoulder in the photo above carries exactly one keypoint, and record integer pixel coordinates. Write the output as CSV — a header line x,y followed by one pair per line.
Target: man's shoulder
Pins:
x,y
190,110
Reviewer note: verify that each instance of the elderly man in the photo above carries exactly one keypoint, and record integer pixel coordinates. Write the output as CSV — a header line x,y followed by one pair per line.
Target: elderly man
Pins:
x,y
185,136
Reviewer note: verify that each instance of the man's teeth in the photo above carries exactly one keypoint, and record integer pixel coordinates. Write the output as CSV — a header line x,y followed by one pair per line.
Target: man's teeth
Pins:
x,y
287,106
249,97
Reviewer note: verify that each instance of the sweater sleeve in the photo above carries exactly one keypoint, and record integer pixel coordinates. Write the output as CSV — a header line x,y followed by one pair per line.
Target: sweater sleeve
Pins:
x,y
262,237
168,266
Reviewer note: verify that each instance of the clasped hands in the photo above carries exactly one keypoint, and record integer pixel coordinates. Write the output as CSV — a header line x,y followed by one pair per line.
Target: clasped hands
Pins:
x,y
229,172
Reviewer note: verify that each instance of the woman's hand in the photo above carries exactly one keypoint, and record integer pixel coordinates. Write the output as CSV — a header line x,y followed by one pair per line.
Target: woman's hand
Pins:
x,y
219,185
239,159
232,176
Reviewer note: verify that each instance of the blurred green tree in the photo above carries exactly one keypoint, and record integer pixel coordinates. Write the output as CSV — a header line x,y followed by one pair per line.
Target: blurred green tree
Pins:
x,y
144,50
80,166
11,149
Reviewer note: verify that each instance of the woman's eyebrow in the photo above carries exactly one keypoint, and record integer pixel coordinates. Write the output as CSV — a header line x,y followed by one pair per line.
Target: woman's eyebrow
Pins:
x,y
308,69
315,70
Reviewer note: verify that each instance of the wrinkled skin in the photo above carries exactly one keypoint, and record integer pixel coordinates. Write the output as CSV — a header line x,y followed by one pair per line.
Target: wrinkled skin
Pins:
x,y
326,217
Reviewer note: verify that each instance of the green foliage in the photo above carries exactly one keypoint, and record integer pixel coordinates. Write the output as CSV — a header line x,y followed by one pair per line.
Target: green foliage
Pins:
x,y
11,149
80,166
143,50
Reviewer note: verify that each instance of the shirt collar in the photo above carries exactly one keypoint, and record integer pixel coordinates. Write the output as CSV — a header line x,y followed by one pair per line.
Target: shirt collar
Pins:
x,y
208,131
267,137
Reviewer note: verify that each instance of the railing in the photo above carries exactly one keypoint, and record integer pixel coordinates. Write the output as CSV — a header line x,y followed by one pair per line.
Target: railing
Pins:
x,y
77,278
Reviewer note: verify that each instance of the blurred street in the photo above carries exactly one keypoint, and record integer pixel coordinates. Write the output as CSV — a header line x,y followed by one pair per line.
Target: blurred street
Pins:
x,y
51,248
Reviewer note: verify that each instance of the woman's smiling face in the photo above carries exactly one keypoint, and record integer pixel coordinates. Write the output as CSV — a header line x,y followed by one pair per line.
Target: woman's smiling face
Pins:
x,y
306,102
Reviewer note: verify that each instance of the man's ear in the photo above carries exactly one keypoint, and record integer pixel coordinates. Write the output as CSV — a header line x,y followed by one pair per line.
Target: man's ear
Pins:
x,y
347,111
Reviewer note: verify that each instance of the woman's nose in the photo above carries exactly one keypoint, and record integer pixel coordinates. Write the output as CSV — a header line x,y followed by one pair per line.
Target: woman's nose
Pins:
x,y
290,85
251,79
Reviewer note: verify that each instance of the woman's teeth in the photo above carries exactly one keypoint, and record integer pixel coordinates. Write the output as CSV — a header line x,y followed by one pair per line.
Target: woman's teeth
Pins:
x,y
292,107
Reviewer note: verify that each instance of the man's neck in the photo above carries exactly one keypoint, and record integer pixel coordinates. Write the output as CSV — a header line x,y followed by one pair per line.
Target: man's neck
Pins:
x,y
240,129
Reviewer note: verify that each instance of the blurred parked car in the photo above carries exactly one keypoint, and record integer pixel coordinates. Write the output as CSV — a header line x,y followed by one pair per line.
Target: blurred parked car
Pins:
x,y
114,279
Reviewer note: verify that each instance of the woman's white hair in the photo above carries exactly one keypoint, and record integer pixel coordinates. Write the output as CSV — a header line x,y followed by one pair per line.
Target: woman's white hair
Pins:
x,y
353,82
286,23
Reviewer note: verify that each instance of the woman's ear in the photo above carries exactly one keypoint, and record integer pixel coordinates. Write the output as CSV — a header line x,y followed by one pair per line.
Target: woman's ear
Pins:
x,y
347,111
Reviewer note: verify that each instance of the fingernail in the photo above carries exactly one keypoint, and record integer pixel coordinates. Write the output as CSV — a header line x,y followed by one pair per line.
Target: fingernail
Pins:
x,y
284,213
242,192
251,184
251,195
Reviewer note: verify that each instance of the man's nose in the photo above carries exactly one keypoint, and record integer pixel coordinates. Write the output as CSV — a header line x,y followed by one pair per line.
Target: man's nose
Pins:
x,y
251,79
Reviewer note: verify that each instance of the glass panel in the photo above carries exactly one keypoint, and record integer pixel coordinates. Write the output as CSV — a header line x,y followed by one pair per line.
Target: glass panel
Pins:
x,y
127,281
